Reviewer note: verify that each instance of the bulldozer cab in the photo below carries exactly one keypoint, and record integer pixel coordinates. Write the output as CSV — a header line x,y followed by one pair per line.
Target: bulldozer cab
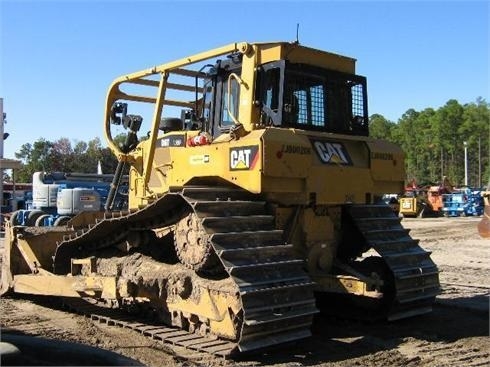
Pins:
x,y
288,95
256,85
252,104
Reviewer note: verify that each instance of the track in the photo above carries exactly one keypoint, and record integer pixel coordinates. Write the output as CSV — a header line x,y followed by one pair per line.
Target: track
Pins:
x,y
268,294
454,334
415,276
36,325
275,293
169,335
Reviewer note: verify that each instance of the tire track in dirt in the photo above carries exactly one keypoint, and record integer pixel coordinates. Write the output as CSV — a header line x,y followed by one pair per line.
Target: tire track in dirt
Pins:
x,y
447,354
43,318
22,318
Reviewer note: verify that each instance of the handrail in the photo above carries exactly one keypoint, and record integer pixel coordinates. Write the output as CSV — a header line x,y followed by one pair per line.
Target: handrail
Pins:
x,y
176,67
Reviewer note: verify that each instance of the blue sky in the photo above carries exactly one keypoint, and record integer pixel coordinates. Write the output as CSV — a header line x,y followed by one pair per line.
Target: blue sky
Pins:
x,y
59,57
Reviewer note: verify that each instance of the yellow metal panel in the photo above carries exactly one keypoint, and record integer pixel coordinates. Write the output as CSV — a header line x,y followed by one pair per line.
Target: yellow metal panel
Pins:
x,y
269,52
45,285
28,255
291,154
337,185
211,305
236,161
344,284
317,227
64,286
387,162
248,111
299,54
286,154
285,190
38,246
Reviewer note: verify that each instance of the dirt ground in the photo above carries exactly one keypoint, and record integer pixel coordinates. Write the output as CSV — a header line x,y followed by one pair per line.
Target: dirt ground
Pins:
x,y
456,333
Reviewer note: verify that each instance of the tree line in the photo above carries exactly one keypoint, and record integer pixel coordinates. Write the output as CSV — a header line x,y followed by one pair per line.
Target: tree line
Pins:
x,y
63,156
434,142
432,139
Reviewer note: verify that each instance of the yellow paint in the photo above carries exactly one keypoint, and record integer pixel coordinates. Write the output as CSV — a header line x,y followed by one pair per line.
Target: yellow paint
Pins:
x,y
409,206
344,284
213,306
65,286
155,168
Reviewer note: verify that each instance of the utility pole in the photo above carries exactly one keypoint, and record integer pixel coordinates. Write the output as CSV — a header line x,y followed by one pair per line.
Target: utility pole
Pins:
x,y
442,162
465,163
479,162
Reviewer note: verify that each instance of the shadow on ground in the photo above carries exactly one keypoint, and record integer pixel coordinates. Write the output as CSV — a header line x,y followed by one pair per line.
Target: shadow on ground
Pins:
x,y
337,340
18,349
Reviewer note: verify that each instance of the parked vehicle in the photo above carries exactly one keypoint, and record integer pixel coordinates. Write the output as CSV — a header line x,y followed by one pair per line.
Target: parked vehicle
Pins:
x,y
247,215
424,201
58,196
463,202
392,200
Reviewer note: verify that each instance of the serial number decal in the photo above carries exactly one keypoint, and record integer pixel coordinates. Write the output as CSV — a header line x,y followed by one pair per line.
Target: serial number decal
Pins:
x,y
243,158
173,141
382,156
199,159
295,149
332,152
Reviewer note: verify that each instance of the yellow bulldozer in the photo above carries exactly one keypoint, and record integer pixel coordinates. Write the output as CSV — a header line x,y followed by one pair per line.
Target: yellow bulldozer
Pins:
x,y
257,207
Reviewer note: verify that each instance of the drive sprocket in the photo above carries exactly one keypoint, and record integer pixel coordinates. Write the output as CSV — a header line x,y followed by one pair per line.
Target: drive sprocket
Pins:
x,y
193,246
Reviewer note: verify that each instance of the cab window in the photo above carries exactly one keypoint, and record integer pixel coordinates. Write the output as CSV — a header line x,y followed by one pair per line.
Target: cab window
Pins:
x,y
232,100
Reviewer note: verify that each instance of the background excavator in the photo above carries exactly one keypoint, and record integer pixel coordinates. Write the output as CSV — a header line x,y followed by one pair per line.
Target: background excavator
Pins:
x,y
258,207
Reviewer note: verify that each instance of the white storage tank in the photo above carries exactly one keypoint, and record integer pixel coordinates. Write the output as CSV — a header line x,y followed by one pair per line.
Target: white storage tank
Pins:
x,y
43,195
74,201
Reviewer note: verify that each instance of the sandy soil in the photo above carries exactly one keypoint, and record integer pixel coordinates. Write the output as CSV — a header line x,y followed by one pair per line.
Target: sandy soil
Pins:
x,y
456,333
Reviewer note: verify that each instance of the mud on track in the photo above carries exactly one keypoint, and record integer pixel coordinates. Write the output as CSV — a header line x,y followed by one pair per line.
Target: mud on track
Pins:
x,y
455,334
